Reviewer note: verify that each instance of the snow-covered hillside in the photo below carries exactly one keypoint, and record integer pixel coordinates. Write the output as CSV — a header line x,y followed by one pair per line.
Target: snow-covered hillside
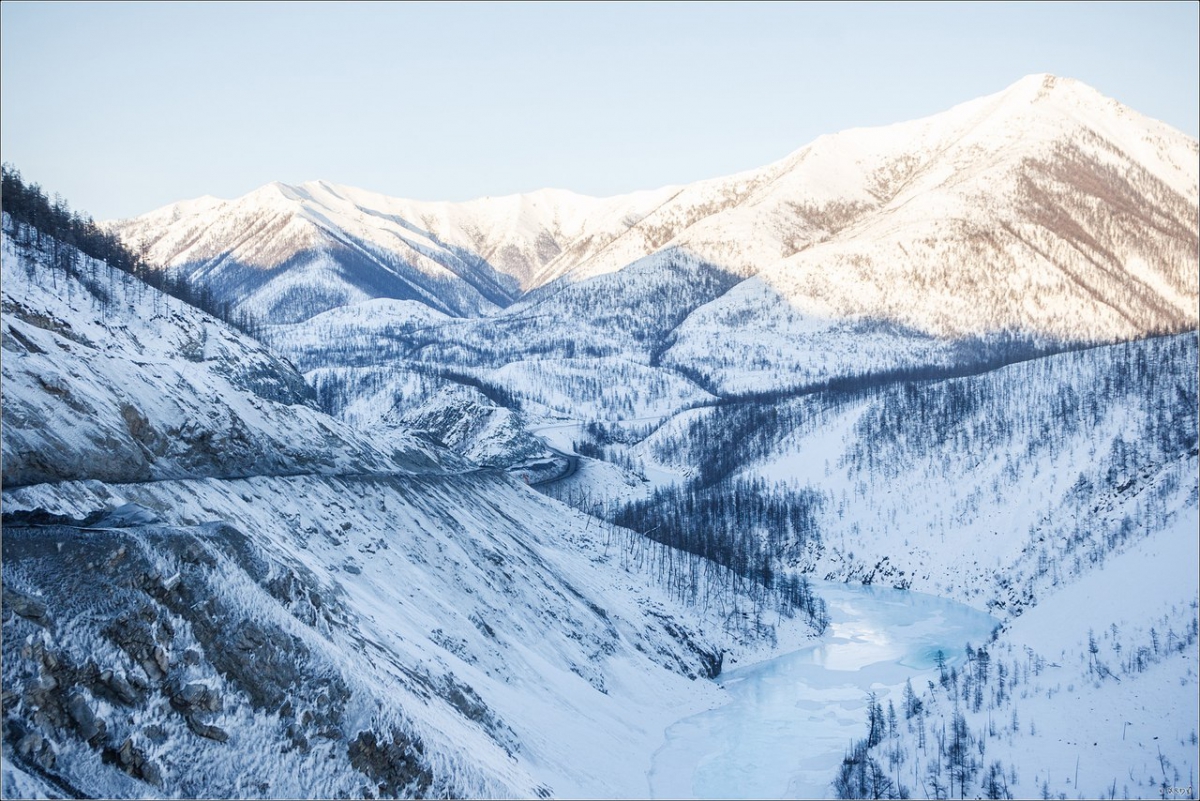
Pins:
x,y
105,378
993,488
212,589
590,349
467,422
1093,694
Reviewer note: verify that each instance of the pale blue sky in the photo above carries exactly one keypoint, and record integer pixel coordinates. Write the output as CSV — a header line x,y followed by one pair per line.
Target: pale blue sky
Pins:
x,y
126,107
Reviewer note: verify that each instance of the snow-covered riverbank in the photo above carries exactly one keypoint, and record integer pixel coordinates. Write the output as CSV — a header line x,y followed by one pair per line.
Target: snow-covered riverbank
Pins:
x,y
790,719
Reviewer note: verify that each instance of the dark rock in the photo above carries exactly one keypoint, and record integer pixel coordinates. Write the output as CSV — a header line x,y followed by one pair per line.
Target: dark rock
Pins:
x,y
155,734
35,748
85,720
207,730
133,761
29,744
198,697
143,431
134,634
195,694
125,753
151,773
27,607
152,670
295,733
123,691
397,766
161,659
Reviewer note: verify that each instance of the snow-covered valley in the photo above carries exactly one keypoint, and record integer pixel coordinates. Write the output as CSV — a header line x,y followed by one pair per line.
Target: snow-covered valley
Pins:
x,y
668,494
361,618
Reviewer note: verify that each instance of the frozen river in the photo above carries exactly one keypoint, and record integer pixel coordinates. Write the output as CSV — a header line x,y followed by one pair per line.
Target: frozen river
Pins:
x,y
790,720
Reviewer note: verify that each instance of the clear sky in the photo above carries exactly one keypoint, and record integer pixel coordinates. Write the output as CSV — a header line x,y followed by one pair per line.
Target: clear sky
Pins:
x,y
123,108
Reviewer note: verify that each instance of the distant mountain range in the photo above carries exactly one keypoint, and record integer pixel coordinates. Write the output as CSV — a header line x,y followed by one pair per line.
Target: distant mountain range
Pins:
x,y
1046,209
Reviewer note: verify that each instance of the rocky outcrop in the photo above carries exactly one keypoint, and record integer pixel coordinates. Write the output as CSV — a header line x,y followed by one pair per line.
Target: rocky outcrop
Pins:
x,y
113,663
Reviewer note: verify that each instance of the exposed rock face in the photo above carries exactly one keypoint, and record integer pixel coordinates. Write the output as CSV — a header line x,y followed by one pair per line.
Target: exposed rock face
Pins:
x,y
472,425
177,660
394,763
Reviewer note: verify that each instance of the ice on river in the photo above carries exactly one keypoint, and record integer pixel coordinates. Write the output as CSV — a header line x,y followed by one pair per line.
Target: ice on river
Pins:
x,y
790,720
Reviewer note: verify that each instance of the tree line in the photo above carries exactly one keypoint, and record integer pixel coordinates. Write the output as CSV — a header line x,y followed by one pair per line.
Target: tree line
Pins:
x,y
743,525
37,221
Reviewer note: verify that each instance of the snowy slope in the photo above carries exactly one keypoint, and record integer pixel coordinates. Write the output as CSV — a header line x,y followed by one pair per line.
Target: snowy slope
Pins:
x,y
472,616
105,378
275,606
284,253
1093,694
590,349
467,422
992,489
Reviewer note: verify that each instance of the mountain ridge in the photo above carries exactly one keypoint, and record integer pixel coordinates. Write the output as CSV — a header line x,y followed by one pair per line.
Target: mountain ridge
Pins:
x,y
1012,165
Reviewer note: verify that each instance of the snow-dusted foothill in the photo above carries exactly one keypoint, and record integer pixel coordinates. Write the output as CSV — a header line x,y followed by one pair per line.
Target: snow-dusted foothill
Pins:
x,y
230,594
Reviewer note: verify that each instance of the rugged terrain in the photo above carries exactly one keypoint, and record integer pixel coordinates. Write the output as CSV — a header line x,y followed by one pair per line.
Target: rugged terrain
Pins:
x,y
213,589
476,496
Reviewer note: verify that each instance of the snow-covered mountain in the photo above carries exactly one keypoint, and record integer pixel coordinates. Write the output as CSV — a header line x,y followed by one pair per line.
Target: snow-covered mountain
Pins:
x,y
1041,217
1046,209
283,253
